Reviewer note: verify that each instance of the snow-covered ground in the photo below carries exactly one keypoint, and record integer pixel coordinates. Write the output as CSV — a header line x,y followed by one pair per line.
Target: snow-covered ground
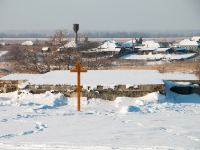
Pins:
x,y
158,56
93,78
51,121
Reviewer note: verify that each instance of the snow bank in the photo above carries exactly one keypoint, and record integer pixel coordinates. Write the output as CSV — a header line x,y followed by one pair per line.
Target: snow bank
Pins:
x,y
178,98
43,101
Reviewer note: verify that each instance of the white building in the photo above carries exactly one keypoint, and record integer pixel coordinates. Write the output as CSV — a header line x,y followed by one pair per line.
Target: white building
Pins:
x,y
28,43
189,44
3,43
131,41
72,44
45,49
127,45
110,46
163,50
152,44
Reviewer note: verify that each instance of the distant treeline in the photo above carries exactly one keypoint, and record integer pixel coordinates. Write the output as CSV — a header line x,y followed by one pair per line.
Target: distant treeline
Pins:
x,y
22,35
147,34
107,34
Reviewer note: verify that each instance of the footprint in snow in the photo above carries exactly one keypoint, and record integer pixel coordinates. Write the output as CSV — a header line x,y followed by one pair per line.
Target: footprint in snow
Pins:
x,y
127,121
7,136
139,124
39,127
4,120
27,132
164,129
194,138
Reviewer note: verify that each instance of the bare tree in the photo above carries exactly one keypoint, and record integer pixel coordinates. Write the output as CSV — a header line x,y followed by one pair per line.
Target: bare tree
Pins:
x,y
30,59
61,56
197,68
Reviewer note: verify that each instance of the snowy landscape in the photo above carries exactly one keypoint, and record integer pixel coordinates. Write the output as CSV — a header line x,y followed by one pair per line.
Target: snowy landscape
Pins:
x,y
100,75
51,121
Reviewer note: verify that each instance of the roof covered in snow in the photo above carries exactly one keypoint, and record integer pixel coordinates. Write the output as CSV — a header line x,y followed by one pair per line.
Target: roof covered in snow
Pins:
x,y
110,46
126,45
155,45
28,43
45,48
131,41
152,44
146,49
196,38
189,42
147,42
2,43
161,49
72,44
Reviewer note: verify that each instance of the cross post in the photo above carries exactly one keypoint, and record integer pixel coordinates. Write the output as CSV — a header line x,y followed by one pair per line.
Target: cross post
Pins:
x,y
79,87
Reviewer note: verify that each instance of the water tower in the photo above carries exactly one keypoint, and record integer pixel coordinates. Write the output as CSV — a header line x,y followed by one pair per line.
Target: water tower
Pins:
x,y
76,28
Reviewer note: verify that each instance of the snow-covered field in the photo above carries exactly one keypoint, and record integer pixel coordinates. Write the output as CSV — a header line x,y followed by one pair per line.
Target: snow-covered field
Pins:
x,y
157,56
51,121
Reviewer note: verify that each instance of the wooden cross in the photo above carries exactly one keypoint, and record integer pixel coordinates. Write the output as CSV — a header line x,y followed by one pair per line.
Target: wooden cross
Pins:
x,y
79,87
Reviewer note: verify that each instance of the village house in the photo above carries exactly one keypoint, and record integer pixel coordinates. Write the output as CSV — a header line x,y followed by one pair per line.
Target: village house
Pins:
x,y
28,43
109,45
3,43
72,44
190,44
163,51
180,50
196,38
145,51
152,44
45,49
127,46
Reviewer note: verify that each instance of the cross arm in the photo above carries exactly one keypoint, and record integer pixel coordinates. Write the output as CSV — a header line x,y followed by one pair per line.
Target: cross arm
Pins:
x,y
78,65
73,70
78,88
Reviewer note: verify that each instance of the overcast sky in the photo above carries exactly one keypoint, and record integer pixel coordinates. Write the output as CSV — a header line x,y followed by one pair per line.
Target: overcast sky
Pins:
x,y
100,14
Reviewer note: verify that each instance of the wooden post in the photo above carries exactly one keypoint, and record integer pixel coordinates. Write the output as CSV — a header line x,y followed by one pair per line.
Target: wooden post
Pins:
x,y
79,87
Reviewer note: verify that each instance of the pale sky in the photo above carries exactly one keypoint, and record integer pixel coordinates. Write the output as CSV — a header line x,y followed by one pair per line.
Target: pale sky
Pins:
x,y
100,14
